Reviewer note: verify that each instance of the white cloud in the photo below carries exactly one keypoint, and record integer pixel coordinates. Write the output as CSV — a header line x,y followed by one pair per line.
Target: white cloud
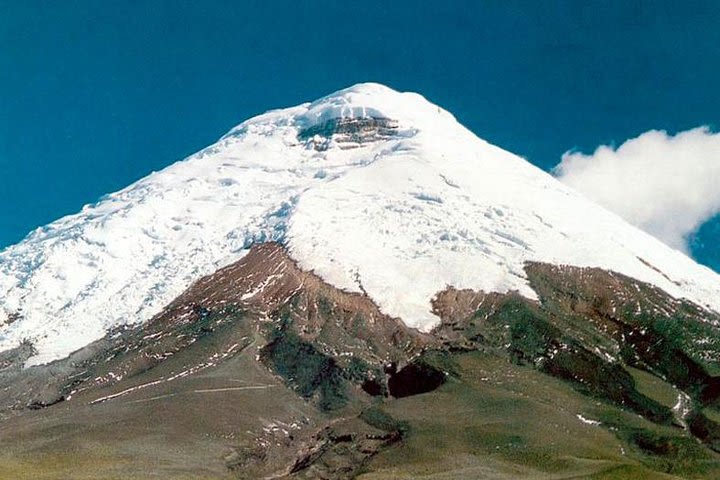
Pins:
x,y
667,185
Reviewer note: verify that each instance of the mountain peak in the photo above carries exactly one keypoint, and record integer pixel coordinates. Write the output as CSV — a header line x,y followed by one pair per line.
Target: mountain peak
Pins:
x,y
378,101
378,192
363,101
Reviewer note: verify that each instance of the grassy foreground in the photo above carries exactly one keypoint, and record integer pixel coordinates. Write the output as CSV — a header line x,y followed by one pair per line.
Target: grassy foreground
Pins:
x,y
497,420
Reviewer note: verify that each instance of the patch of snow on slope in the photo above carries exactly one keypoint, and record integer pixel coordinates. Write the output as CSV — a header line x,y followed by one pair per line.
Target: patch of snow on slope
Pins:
x,y
400,218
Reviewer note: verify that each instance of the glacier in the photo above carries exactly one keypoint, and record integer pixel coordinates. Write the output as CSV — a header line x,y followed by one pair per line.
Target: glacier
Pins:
x,y
376,191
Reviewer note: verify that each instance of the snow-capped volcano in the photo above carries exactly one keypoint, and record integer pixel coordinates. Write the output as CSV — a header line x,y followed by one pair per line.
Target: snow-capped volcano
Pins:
x,y
376,191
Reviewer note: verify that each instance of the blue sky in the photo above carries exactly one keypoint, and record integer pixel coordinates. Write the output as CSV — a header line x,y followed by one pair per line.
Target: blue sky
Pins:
x,y
94,95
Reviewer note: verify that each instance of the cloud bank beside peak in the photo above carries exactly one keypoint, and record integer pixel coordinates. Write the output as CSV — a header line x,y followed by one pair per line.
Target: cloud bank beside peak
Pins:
x,y
667,185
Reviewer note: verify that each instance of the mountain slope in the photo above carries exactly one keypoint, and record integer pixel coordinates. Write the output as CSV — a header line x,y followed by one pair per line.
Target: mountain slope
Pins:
x,y
262,370
376,191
